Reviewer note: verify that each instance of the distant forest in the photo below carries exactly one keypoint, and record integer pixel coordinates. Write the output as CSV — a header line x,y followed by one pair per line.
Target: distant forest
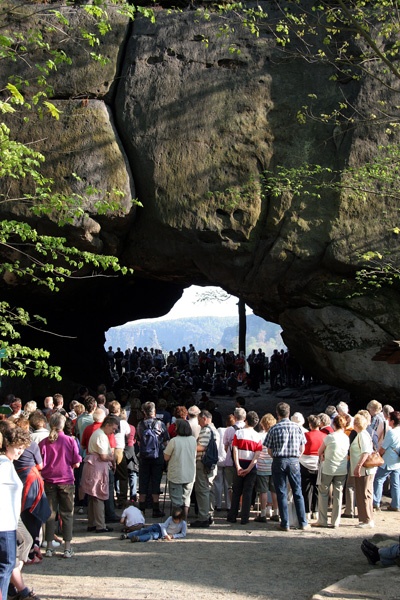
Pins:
x,y
202,332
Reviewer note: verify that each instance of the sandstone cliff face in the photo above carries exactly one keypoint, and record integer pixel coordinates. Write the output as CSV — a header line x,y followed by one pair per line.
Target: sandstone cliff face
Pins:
x,y
187,126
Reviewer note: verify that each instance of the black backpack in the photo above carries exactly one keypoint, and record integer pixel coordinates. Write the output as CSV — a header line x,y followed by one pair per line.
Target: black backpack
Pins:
x,y
210,456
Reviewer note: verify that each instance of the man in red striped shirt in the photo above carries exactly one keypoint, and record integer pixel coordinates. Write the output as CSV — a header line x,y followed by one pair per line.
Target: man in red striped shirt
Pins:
x,y
246,448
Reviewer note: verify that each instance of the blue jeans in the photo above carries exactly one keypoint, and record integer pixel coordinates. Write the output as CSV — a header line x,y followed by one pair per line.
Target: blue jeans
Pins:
x,y
8,554
380,477
284,470
388,555
153,532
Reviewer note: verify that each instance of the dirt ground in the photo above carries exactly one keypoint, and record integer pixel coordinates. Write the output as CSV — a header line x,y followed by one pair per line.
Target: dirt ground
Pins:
x,y
225,561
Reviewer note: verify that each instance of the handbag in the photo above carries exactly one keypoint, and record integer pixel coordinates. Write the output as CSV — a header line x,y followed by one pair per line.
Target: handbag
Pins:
x,y
374,460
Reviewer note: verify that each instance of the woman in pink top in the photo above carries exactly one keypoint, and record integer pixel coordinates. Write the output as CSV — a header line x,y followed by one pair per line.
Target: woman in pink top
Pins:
x,y
309,465
60,458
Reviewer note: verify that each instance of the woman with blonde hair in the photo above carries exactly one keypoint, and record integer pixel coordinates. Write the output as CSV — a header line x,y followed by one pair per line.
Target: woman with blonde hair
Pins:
x,y
264,483
360,449
60,458
29,408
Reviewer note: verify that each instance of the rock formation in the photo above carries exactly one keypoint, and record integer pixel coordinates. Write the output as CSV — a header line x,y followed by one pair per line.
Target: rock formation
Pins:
x,y
186,120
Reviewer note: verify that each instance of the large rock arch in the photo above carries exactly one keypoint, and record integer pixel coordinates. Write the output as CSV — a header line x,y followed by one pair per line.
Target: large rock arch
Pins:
x,y
188,127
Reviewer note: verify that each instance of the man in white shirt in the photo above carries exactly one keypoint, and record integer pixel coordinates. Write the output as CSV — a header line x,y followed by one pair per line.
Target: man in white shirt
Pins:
x,y
240,418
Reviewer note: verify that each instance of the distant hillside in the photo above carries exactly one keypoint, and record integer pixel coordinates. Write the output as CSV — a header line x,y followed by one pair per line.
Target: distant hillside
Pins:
x,y
202,332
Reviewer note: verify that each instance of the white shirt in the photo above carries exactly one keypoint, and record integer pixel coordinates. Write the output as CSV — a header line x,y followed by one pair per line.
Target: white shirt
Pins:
x,y
133,516
120,436
10,495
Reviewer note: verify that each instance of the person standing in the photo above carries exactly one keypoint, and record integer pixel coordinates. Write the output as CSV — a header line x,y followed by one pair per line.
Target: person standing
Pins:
x,y
285,442
247,447
181,457
391,467
309,465
360,449
13,442
204,478
95,475
152,435
240,417
333,454
60,457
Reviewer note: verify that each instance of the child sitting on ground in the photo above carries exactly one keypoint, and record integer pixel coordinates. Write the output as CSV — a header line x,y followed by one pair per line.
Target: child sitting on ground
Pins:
x,y
131,518
174,528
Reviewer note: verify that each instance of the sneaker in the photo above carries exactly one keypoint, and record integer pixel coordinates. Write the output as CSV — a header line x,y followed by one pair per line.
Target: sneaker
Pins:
x,y
123,536
68,553
134,539
305,527
281,528
368,525
50,552
55,544
260,519
275,518
318,524
390,508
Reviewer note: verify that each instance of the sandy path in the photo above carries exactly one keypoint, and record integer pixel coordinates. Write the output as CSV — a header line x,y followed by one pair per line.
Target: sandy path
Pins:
x,y
225,561
252,561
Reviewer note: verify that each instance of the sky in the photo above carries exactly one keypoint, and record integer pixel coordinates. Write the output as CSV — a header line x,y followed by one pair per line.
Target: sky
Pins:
x,y
188,306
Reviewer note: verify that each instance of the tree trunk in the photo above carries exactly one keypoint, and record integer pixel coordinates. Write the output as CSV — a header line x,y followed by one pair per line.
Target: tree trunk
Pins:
x,y
242,325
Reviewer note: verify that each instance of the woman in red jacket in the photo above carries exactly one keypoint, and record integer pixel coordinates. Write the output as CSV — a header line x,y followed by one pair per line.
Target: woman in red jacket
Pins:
x,y
309,465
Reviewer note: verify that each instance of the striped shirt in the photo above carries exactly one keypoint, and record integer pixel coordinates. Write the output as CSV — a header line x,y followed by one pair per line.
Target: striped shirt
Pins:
x,y
247,441
264,461
285,439
204,438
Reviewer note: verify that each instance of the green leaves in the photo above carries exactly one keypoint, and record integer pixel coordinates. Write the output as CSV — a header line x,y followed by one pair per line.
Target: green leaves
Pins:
x,y
17,97
26,255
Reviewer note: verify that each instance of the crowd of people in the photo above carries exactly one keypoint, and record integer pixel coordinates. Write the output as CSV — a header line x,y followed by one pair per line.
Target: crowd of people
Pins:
x,y
101,454
219,373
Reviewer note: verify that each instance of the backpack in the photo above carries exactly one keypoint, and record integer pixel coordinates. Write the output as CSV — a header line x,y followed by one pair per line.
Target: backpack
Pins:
x,y
210,456
149,445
